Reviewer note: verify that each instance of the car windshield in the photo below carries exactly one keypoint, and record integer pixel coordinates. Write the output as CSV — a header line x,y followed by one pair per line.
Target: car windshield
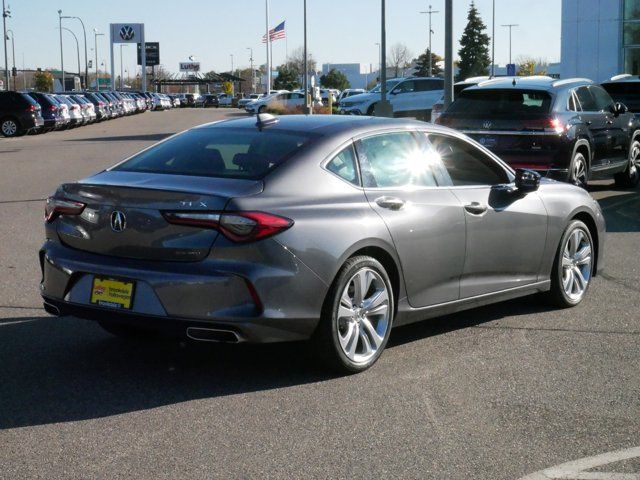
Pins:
x,y
390,85
219,152
502,102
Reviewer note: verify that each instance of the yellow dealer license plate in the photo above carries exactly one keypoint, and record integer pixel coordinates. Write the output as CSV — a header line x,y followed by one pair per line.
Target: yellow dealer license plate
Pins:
x,y
108,292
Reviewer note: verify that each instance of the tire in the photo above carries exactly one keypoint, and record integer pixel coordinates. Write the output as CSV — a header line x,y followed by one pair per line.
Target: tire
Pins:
x,y
631,175
573,266
579,171
371,110
351,336
10,127
126,332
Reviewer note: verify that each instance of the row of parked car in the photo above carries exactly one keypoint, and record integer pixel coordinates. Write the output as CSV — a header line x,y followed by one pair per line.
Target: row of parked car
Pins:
x,y
37,112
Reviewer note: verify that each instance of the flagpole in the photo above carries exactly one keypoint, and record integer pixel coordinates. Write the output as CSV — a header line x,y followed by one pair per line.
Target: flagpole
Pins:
x,y
271,48
268,38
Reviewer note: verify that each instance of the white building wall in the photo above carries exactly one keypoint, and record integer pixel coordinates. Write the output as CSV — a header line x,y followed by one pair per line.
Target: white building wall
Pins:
x,y
591,39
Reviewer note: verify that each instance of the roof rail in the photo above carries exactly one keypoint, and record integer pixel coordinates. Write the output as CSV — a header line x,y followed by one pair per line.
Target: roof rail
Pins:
x,y
567,81
620,77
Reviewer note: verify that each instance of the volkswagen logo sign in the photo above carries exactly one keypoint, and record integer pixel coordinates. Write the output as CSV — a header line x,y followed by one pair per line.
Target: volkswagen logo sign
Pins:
x,y
487,124
127,33
118,221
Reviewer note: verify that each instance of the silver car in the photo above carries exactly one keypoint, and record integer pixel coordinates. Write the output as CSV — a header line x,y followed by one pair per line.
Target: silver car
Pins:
x,y
333,229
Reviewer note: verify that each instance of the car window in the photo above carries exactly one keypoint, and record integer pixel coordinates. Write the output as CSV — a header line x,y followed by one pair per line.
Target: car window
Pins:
x,y
428,85
344,165
602,98
587,102
405,87
508,102
393,160
219,152
465,163
571,104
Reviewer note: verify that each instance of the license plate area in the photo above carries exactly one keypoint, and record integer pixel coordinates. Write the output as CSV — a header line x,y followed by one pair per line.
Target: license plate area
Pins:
x,y
112,292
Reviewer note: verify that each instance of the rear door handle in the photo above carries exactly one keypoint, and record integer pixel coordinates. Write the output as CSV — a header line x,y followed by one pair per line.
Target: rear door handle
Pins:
x,y
392,203
475,208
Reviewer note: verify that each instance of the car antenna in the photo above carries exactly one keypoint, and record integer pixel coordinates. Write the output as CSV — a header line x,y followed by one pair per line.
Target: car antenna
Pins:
x,y
265,120
513,82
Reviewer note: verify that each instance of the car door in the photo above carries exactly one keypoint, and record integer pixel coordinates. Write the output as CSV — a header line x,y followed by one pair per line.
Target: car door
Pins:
x,y
618,126
402,96
598,127
428,92
505,230
425,221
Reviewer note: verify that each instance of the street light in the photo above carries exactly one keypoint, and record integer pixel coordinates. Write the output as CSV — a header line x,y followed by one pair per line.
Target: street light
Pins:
x,y
13,55
86,63
95,40
77,49
493,41
5,13
121,69
510,25
430,12
61,49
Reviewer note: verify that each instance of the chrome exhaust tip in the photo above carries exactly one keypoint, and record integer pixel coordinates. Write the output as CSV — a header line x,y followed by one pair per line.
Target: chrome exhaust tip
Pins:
x,y
213,335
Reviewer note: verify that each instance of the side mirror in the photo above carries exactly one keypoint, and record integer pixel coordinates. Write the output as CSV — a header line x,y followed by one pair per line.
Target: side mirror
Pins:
x,y
527,180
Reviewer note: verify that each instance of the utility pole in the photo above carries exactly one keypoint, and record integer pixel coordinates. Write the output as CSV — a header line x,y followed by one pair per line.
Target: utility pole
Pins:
x,y
384,108
5,13
13,57
308,102
430,12
510,25
253,76
493,41
448,53
64,88
95,40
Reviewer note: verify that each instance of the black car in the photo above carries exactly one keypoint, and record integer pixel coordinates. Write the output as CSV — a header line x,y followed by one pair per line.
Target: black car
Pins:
x,y
50,110
210,100
626,90
19,114
570,130
99,105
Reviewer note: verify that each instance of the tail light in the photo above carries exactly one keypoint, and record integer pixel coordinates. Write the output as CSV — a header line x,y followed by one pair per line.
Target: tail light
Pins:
x,y
238,227
556,125
74,107
32,108
53,108
56,206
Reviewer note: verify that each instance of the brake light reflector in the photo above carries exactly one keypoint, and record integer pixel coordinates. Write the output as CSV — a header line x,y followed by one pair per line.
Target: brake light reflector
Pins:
x,y
61,206
32,108
236,226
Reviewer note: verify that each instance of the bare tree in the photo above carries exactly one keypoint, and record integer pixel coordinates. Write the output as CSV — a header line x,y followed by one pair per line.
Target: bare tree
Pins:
x,y
296,61
399,57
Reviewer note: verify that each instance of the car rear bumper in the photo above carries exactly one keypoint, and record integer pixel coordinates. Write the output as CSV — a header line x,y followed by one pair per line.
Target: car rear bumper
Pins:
x,y
261,303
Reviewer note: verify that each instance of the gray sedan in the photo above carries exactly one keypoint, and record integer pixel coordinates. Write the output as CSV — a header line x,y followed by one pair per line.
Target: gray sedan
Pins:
x,y
321,228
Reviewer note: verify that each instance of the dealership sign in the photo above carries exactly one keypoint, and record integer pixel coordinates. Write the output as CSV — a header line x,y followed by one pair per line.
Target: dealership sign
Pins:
x,y
190,67
128,33
153,54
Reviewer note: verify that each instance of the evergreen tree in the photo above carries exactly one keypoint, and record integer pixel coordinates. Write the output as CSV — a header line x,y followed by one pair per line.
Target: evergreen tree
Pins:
x,y
335,79
422,64
287,79
474,47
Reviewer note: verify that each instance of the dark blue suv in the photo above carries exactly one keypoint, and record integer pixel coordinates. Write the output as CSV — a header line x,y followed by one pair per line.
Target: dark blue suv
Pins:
x,y
570,130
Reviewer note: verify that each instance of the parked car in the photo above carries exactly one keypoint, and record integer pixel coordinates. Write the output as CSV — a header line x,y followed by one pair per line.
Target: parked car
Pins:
x,y
277,100
569,130
406,95
190,212
86,107
625,89
19,114
75,112
438,107
225,100
350,92
242,103
209,100
325,93
50,110
99,105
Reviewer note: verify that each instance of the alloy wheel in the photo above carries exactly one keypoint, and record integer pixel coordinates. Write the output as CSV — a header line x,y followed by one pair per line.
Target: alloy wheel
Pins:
x,y
363,315
579,171
634,163
9,128
576,264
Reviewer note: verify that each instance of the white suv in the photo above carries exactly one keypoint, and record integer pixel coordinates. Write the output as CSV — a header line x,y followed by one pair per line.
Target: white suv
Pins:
x,y
406,95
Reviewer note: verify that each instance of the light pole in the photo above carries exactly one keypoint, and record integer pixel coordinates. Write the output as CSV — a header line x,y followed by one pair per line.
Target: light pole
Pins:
x,y
86,63
61,50
253,79
430,12
95,39
13,56
121,69
5,13
308,100
267,42
384,108
493,41
448,53
77,49
510,25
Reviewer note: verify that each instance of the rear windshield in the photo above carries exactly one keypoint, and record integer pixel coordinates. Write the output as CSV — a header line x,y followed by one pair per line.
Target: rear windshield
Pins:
x,y
219,152
502,102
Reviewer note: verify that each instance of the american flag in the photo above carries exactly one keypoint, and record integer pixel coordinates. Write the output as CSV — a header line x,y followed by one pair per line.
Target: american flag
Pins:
x,y
275,34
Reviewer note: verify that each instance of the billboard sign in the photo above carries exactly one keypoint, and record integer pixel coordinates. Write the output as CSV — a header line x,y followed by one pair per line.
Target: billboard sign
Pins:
x,y
191,67
127,32
153,53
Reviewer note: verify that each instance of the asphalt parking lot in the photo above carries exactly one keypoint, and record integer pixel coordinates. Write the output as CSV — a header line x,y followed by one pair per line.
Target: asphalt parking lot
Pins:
x,y
494,393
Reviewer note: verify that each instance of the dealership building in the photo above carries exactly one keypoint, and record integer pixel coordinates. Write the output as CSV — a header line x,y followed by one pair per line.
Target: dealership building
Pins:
x,y
600,38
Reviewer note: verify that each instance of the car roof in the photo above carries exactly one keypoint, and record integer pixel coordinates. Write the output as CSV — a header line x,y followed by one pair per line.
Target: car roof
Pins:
x,y
625,77
535,82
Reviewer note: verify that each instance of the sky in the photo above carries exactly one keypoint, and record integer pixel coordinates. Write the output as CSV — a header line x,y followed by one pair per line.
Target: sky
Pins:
x,y
339,31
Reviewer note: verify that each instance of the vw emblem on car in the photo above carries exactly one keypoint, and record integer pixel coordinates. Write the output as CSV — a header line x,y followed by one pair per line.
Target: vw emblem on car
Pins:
x,y
487,124
118,221
127,33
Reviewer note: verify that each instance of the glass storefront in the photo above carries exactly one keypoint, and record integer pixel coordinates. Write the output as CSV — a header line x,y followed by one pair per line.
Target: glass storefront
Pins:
x,y
631,36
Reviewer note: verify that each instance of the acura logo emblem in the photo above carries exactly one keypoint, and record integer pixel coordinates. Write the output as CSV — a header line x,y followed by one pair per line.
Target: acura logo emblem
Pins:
x,y
487,124
118,221
127,33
